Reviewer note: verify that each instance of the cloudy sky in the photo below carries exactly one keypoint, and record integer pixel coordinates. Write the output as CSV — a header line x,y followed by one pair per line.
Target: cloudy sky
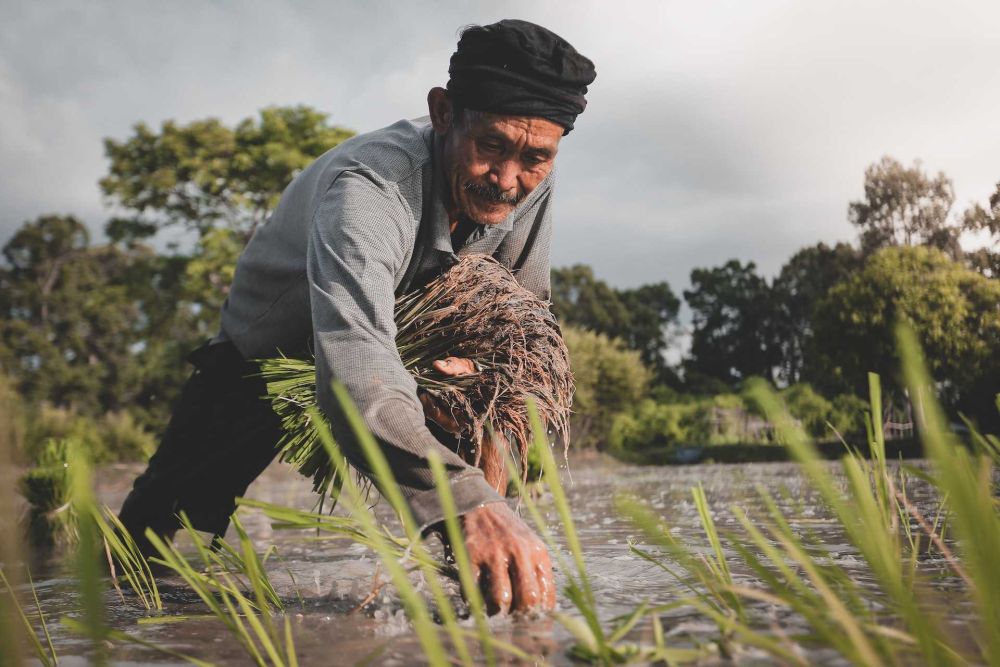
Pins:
x,y
714,130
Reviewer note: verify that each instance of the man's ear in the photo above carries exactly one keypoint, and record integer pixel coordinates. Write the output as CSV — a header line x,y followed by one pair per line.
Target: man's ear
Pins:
x,y
441,111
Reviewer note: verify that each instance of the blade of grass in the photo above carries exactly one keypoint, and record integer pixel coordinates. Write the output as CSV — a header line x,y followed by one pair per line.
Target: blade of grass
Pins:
x,y
974,515
469,584
10,648
415,607
394,495
88,568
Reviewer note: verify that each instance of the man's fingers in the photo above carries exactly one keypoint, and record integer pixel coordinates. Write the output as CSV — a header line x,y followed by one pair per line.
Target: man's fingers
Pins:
x,y
525,584
494,581
537,584
433,410
455,366
546,581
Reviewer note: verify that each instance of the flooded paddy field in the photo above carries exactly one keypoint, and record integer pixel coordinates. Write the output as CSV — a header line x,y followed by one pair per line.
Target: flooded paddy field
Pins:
x,y
325,582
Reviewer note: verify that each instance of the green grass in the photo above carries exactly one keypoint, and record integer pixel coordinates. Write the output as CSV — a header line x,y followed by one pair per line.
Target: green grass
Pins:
x,y
45,653
233,584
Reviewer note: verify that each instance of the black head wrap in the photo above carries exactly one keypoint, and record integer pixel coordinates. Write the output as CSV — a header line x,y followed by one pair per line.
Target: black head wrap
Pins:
x,y
517,68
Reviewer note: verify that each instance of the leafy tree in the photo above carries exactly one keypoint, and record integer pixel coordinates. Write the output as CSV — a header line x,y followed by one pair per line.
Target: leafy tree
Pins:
x,y
804,279
978,219
203,174
652,312
580,299
905,206
954,311
220,182
641,317
732,324
68,316
609,380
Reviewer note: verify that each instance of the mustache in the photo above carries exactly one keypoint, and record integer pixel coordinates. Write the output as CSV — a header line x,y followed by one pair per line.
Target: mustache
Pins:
x,y
492,193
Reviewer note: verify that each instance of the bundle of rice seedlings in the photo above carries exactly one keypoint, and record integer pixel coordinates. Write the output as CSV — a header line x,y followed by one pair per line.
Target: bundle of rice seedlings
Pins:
x,y
478,311
51,519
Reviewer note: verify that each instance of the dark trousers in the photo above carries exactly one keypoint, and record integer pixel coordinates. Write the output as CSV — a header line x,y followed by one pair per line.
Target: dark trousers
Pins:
x,y
221,436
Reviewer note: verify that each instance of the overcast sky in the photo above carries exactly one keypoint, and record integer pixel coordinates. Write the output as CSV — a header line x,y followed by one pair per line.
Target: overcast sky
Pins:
x,y
714,130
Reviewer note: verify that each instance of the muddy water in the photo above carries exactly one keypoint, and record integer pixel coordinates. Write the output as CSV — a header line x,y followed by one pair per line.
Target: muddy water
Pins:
x,y
324,580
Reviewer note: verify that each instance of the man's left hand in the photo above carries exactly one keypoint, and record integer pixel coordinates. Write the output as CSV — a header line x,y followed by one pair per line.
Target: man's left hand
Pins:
x,y
453,366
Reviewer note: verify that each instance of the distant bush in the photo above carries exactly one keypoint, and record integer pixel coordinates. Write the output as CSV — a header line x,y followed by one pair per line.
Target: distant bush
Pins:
x,y
610,379
651,424
812,410
718,420
730,419
848,414
111,438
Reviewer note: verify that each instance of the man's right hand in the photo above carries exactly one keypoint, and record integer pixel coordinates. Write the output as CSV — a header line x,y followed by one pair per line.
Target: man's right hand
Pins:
x,y
509,560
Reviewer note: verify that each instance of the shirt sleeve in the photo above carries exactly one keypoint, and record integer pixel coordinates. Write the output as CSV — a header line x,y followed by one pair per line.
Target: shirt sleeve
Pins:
x,y
360,237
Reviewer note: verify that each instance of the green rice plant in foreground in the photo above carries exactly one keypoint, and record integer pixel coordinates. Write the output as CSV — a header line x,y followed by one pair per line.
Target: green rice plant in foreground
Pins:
x,y
88,568
221,577
427,630
967,481
46,654
123,555
594,643
89,571
897,622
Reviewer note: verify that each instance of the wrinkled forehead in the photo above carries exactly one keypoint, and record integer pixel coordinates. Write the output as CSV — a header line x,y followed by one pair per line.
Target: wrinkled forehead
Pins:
x,y
533,131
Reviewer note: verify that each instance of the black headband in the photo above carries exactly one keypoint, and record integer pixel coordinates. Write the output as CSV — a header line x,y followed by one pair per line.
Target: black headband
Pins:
x,y
518,68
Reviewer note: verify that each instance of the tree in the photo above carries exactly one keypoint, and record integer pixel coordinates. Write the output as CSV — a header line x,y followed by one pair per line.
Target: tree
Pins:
x,y
954,311
204,174
732,324
805,279
903,207
580,299
219,182
978,219
68,315
640,317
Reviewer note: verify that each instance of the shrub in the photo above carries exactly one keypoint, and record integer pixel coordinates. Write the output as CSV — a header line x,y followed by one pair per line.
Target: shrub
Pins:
x,y
847,414
812,410
651,424
113,437
610,379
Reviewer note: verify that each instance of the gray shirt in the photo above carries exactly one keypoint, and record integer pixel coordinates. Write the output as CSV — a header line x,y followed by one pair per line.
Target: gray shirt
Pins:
x,y
363,223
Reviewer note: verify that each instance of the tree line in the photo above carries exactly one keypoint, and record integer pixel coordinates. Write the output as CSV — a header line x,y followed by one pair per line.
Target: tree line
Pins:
x,y
97,330
827,318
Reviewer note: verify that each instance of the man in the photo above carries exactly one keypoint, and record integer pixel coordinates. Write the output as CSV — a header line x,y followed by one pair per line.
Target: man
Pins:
x,y
378,216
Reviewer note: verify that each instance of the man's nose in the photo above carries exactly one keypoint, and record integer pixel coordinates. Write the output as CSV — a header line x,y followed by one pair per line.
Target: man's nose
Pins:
x,y
504,176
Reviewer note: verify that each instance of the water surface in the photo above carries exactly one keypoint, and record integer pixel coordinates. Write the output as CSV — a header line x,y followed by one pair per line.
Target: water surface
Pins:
x,y
332,577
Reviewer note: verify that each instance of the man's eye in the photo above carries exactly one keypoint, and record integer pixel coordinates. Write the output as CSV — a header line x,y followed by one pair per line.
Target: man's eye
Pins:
x,y
491,146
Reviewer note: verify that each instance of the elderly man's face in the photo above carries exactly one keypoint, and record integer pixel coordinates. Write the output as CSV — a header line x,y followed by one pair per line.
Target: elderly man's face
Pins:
x,y
493,162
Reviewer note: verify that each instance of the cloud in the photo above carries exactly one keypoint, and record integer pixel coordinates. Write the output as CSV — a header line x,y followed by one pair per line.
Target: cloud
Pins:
x,y
713,130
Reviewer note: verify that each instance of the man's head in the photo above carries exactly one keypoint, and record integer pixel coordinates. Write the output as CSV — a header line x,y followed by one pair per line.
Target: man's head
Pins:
x,y
515,90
